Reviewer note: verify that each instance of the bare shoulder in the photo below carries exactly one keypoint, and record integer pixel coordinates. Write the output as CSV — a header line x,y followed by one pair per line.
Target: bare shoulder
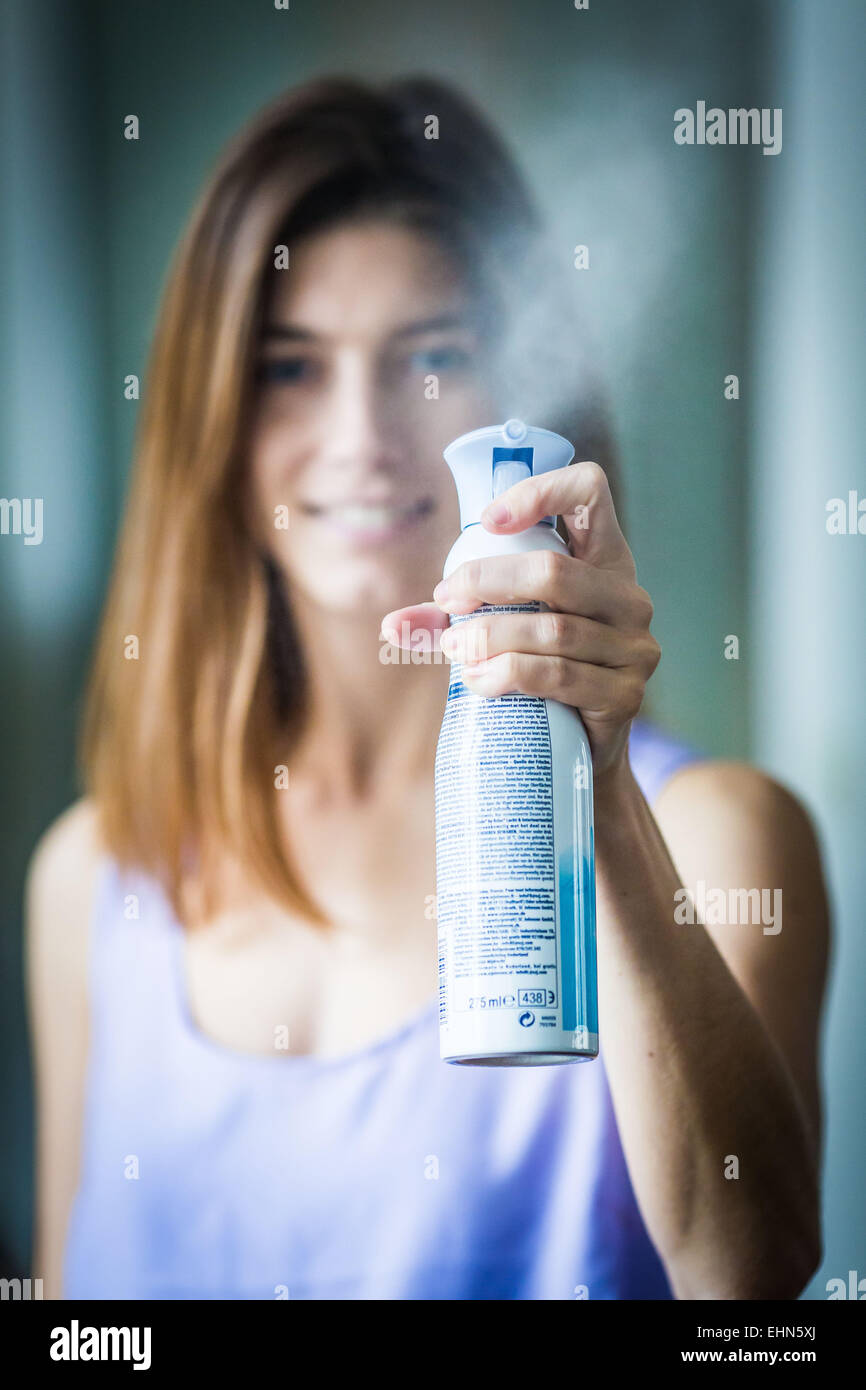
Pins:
x,y
71,843
732,820
734,793
59,899
61,881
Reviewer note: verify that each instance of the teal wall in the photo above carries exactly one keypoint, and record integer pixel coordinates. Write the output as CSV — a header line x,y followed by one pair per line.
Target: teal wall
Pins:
x,y
55,438
809,587
696,272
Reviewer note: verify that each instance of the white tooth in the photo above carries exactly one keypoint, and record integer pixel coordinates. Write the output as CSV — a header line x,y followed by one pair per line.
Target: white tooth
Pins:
x,y
368,516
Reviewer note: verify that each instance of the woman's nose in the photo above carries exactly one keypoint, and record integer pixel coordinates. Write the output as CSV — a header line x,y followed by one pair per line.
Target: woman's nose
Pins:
x,y
358,424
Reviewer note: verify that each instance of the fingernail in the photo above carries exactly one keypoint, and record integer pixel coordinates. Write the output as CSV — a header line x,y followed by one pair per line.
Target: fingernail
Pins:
x,y
497,512
440,593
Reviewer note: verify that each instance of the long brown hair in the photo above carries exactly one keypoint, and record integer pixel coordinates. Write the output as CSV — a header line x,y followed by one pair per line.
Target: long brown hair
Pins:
x,y
197,687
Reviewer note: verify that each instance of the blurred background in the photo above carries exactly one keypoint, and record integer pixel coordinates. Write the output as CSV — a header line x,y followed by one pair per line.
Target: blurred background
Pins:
x,y
704,262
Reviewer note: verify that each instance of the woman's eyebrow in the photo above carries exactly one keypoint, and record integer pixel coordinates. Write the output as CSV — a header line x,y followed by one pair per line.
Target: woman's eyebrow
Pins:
x,y
288,332
430,325
284,331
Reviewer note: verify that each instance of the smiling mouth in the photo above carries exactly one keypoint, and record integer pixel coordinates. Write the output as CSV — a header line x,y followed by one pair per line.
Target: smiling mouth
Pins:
x,y
369,519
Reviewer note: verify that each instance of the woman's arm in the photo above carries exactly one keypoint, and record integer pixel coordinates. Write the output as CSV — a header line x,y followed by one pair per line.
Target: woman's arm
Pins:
x,y
710,1035
58,902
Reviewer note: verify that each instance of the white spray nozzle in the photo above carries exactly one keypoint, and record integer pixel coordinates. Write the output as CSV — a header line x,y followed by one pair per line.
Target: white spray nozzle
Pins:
x,y
514,431
486,462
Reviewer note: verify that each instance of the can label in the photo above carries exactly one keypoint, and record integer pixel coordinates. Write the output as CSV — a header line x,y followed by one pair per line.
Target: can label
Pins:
x,y
515,890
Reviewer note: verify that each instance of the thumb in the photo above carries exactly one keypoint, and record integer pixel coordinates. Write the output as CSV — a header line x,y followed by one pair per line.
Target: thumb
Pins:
x,y
411,627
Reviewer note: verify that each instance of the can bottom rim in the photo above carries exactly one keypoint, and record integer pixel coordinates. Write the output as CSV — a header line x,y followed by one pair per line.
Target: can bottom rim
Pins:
x,y
521,1059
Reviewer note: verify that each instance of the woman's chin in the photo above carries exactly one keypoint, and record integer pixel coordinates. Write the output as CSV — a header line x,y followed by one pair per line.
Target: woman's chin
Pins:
x,y
367,591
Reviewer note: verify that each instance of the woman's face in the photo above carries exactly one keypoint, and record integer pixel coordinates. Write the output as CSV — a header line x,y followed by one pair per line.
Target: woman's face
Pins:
x,y
369,364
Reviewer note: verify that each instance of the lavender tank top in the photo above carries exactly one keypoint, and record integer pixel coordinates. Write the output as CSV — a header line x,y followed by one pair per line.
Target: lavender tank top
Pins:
x,y
384,1174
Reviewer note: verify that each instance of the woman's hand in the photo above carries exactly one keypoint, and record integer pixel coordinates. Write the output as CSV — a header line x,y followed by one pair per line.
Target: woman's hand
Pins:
x,y
592,649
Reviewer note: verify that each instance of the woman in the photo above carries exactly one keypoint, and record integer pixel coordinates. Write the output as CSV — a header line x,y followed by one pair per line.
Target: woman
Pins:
x,y
231,949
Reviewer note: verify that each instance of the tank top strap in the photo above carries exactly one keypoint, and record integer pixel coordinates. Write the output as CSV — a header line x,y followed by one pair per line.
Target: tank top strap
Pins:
x,y
131,958
656,755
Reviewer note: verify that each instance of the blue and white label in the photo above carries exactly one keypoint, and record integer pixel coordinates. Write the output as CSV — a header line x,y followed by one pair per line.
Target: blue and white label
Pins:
x,y
515,891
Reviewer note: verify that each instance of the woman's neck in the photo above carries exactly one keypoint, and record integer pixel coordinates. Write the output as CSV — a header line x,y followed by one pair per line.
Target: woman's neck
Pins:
x,y
372,722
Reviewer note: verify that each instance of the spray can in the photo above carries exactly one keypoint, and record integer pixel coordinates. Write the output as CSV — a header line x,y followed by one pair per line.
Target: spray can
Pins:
x,y
515,871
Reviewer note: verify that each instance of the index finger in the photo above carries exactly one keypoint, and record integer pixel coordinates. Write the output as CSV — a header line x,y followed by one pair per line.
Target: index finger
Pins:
x,y
580,494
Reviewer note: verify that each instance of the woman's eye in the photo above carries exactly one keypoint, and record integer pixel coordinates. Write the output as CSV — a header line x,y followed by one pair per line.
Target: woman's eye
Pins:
x,y
284,369
440,359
